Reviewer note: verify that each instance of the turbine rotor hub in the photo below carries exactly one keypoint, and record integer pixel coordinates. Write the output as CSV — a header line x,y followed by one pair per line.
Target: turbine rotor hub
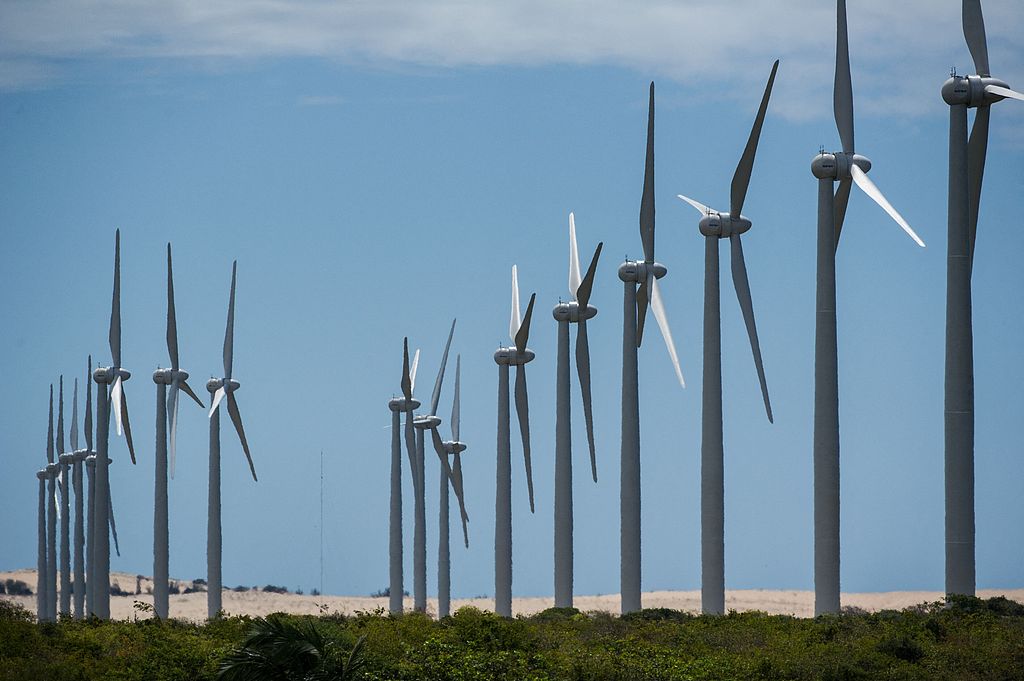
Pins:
x,y
723,225
636,270
836,166
572,312
512,357
970,91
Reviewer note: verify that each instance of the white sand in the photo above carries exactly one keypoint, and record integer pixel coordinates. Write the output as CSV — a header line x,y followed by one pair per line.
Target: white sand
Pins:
x,y
193,606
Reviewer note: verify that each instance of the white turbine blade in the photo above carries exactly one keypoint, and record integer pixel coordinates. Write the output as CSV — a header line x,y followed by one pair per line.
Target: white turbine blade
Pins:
x,y
116,397
56,503
412,371
172,425
658,306
517,320
869,188
574,259
701,208
1004,92
217,397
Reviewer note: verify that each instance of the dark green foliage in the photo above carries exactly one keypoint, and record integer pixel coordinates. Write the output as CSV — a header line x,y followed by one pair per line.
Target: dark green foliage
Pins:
x,y
15,587
270,588
964,640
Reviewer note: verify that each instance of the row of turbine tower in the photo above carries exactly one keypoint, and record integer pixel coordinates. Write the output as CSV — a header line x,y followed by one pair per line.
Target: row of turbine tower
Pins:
x,y
84,580
642,291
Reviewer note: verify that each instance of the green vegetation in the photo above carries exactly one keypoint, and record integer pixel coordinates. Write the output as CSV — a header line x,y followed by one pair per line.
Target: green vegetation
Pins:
x,y
968,639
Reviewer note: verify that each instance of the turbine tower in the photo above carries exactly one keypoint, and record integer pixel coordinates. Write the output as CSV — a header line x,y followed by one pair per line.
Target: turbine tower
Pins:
x,y
64,460
77,460
221,388
848,168
517,355
166,427
966,168
52,469
407,405
42,593
115,376
717,225
576,311
641,289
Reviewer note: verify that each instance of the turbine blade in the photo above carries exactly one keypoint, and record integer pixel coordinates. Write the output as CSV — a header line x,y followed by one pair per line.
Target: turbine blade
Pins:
x,y
869,188
842,200
88,406
435,398
172,320
455,400
410,446
56,496
583,369
523,335
701,208
217,397
643,298
406,379
114,336
74,418
974,32
188,391
49,431
842,93
460,495
412,371
236,418
523,412
742,285
1004,92
229,331
574,260
977,149
442,454
127,424
658,306
647,200
516,320
113,524
172,424
60,418
115,402
587,286
741,178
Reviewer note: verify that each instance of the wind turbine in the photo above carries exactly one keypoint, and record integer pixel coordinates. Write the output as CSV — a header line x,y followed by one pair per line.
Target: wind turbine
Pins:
x,y
64,460
966,169
848,168
517,355
77,459
52,470
455,448
641,289
431,422
407,405
221,388
166,427
115,376
717,225
576,311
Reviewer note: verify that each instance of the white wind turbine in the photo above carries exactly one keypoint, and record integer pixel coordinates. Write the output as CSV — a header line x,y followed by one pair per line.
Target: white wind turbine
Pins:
x,y
715,226
406,404
455,448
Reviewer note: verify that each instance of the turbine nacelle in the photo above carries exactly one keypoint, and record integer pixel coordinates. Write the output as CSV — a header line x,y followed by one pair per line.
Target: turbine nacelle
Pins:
x,y
52,469
571,312
425,422
454,447
230,385
723,225
512,356
66,459
80,455
401,404
836,166
42,475
90,461
167,376
637,270
110,374
972,90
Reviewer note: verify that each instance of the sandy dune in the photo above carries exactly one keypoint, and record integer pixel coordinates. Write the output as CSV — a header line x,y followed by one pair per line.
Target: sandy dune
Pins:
x,y
193,606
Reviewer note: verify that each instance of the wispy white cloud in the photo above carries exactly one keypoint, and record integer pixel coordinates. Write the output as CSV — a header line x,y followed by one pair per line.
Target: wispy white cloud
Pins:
x,y
901,49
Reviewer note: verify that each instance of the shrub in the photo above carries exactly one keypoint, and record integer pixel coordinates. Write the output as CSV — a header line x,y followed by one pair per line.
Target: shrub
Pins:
x,y
270,588
15,587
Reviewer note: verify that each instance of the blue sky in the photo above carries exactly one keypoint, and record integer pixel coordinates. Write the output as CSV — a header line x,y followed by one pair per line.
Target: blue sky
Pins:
x,y
377,169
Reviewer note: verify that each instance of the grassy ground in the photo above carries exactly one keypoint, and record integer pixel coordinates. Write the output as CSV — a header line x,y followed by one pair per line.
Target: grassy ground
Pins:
x,y
968,639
